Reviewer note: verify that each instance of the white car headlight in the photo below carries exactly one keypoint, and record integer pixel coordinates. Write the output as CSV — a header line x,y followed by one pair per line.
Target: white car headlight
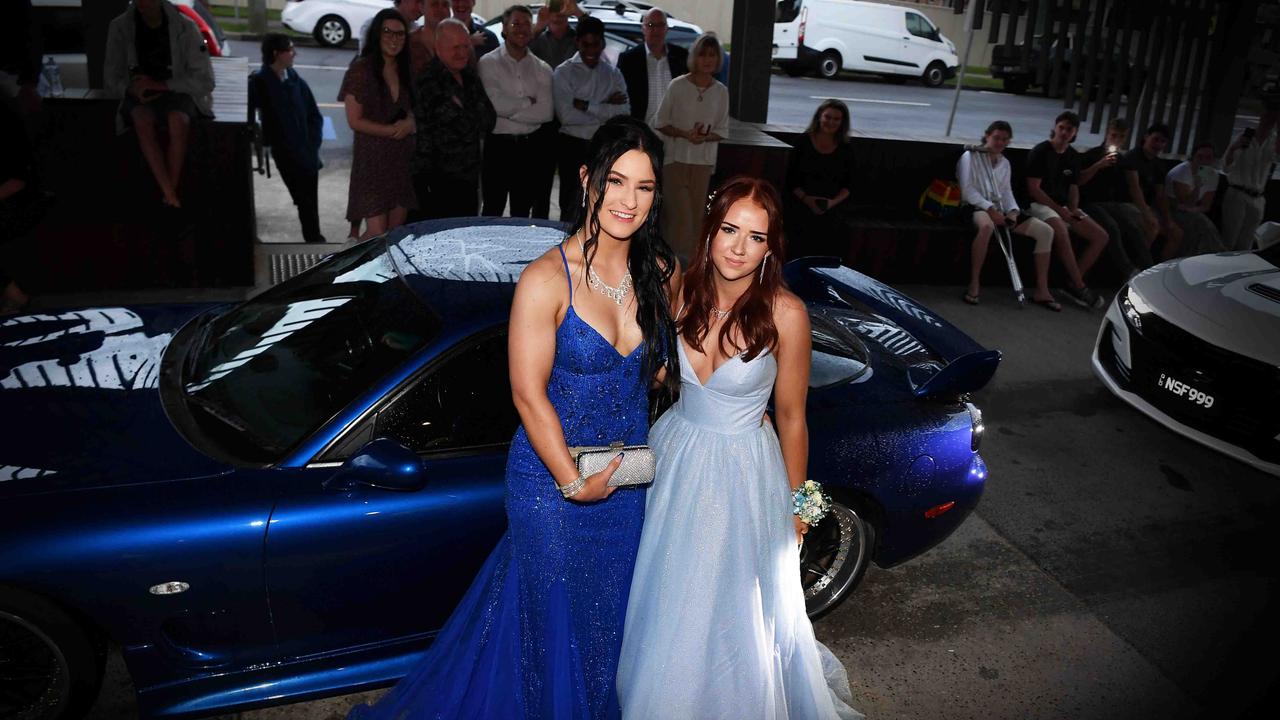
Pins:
x,y
1133,307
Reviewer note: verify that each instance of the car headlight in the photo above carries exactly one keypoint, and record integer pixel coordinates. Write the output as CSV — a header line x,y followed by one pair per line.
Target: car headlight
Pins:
x,y
1133,307
976,427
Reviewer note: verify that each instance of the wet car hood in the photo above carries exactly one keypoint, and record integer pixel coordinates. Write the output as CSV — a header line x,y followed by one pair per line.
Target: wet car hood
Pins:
x,y
79,395
1231,300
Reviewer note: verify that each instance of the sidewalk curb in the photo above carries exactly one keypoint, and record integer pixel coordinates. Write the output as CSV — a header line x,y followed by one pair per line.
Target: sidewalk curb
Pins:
x,y
298,39
304,40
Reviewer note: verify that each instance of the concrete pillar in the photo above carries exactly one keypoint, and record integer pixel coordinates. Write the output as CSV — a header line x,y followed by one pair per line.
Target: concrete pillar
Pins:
x,y
751,59
1226,77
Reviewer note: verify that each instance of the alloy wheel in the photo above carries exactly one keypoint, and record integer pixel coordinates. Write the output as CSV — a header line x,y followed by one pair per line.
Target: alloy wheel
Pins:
x,y
833,558
35,682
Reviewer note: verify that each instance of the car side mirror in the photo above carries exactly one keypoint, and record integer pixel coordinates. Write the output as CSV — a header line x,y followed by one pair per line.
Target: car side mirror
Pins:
x,y
382,463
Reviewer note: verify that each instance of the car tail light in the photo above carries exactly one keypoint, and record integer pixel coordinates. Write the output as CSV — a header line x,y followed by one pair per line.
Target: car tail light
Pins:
x,y
804,18
937,510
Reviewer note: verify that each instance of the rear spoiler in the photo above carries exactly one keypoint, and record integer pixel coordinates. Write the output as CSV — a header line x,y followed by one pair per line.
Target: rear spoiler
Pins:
x,y
965,374
942,337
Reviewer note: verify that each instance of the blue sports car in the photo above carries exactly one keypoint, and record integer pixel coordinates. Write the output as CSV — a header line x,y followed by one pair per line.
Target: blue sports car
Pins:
x,y
283,499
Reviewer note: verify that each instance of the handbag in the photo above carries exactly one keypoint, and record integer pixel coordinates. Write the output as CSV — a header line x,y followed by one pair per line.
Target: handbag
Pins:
x,y
637,468
941,200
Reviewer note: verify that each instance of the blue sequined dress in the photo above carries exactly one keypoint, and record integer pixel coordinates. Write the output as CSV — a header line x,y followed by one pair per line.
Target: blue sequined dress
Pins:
x,y
539,632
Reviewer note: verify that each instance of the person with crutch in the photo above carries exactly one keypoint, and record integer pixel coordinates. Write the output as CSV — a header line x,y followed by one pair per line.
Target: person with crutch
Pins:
x,y
986,185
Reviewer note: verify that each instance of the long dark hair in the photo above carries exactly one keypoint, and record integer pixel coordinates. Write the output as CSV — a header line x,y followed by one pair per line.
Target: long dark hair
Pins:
x,y
815,123
373,51
650,260
752,314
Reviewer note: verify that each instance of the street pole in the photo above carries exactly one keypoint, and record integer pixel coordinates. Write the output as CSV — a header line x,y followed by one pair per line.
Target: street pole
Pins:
x,y
258,17
964,61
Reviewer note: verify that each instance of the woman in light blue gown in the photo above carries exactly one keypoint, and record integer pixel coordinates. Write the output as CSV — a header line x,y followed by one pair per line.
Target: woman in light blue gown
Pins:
x,y
716,624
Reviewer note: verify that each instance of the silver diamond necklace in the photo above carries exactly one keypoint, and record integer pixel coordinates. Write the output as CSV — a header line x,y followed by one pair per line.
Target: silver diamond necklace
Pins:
x,y
616,294
720,314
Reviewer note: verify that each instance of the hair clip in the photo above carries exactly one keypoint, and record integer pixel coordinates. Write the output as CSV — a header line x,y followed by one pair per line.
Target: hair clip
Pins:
x,y
711,198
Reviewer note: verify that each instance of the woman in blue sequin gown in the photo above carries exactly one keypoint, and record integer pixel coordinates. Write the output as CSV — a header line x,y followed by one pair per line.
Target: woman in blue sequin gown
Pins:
x,y
716,627
538,633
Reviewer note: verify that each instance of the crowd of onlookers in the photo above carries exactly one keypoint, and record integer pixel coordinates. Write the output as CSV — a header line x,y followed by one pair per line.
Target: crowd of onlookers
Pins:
x,y
448,121
1117,205
1123,204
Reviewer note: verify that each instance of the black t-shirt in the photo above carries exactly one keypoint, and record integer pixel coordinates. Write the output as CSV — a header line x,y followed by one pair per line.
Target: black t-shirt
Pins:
x,y
154,59
1106,185
1150,172
1057,171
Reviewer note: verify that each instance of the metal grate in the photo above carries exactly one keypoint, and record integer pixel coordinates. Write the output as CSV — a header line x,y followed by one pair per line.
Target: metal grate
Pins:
x,y
284,267
275,263
1269,293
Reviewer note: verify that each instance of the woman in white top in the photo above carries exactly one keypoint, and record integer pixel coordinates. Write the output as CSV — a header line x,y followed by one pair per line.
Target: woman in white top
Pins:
x,y
1190,186
693,118
993,204
1248,164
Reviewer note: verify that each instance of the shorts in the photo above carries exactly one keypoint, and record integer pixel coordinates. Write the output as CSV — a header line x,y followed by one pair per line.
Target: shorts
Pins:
x,y
1031,227
161,106
1043,213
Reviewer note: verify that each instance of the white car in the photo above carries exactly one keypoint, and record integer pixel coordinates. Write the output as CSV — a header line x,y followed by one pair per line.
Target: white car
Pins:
x,y
835,35
1195,345
330,22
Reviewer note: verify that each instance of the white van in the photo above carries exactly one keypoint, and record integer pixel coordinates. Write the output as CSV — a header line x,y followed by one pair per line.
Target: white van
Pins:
x,y
835,35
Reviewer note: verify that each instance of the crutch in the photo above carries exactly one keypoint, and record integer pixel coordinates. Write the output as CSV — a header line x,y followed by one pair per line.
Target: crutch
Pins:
x,y
988,188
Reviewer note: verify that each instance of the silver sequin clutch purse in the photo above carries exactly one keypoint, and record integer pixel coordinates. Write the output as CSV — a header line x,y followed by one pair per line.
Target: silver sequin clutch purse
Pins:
x,y
637,468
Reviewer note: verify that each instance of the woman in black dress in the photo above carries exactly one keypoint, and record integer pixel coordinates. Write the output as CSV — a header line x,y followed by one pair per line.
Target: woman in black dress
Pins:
x,y
819,180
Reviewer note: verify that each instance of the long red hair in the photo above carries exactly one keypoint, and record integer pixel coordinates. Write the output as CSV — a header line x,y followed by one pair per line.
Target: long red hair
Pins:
x,y
752,315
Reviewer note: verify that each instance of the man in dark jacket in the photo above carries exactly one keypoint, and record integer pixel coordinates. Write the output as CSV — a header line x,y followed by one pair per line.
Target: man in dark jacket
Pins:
x,y
291,127
454,115
650,66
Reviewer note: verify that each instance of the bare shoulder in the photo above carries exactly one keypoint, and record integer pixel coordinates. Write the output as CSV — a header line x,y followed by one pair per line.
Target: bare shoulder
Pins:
x,y
788,308
541,276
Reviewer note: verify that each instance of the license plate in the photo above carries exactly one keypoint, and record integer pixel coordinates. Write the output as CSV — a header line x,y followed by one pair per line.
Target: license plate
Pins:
x,y
1184,390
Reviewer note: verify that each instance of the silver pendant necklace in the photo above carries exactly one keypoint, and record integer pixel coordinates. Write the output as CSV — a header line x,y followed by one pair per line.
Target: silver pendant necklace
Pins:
x,y
720,314
617,294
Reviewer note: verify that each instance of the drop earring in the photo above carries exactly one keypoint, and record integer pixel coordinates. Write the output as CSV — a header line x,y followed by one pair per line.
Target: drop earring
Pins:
x,y
762,264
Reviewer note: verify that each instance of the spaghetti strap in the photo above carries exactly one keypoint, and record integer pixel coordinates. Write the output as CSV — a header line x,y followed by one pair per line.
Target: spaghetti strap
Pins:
x,y
567,275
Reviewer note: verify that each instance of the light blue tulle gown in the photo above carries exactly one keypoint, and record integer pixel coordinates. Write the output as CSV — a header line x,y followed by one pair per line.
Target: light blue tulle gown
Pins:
x,y
716,625
538,634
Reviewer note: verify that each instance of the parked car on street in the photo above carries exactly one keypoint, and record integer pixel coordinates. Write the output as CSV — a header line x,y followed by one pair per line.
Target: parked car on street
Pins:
x,y
623,28
1194,344
330,22
868,37
284,499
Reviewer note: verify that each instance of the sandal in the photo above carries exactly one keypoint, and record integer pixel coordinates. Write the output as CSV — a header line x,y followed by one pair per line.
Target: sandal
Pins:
x,y
970,299
1049,304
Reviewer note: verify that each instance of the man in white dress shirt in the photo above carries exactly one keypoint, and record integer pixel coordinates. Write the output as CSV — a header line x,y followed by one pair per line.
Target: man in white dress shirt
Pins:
x,y
588,91
516,156
1248,163
650,66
